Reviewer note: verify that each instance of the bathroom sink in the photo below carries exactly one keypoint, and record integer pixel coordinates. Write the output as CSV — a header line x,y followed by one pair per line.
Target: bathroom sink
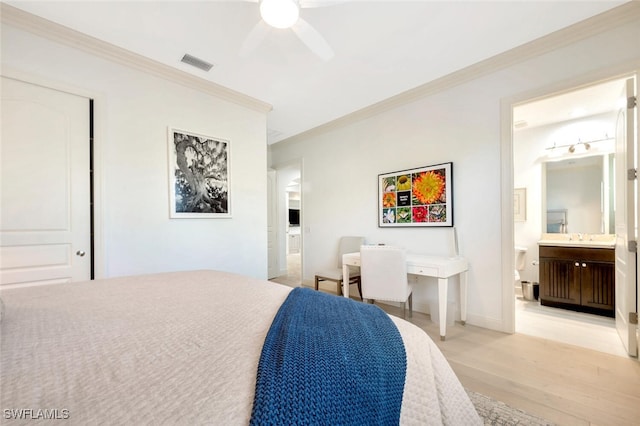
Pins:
x,y
578,240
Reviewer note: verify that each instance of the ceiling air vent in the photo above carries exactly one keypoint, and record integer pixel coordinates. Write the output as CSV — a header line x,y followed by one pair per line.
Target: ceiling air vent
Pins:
x,y
196,62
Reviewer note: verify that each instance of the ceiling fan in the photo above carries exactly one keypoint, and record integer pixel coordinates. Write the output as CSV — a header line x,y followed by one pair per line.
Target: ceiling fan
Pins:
x,y
283,14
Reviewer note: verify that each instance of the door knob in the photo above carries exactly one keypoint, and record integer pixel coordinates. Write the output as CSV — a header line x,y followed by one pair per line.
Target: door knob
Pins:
x,y
577,264
584,265
80,253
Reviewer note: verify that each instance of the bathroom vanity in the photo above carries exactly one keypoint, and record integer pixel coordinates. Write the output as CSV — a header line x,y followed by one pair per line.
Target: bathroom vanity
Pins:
x,y
577,272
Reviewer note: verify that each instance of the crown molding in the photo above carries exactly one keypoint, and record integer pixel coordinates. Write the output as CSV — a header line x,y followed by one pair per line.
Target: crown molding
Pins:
x,y
628,12
42,27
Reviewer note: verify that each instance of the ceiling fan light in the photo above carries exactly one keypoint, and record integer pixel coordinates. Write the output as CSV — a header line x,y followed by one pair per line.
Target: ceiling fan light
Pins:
x,y
279,13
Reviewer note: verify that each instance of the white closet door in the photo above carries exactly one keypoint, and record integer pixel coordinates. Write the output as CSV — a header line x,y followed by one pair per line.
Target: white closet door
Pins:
x,y
45,229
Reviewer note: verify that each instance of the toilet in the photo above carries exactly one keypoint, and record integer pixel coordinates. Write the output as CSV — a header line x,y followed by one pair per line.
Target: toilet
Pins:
x,y
519,257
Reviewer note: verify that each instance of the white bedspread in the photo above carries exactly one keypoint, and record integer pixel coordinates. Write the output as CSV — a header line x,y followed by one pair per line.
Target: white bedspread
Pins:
x,y
176,348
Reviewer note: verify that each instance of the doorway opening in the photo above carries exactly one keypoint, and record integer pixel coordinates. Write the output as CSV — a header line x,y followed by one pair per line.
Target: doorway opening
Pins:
x,y
290,225
563,160
294,236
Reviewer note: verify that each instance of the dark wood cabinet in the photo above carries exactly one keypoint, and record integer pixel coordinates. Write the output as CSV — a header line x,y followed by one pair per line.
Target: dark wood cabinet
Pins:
x,y
578,278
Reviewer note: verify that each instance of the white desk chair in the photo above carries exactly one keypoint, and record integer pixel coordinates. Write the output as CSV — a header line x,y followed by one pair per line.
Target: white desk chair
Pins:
x,y
347,245
383,271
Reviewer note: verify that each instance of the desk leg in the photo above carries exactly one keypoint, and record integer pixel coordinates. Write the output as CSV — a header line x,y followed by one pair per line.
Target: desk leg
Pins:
x,y
443,287
463,297
345,280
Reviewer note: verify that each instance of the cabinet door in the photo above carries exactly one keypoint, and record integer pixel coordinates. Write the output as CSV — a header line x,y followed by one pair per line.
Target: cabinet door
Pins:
x,y
559,281
294,243
598,285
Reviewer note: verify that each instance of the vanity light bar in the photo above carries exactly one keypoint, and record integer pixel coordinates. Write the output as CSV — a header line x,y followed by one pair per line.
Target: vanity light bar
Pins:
x,y
585,143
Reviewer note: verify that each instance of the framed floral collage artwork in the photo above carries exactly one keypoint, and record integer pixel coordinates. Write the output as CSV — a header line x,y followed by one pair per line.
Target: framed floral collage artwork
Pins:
x,y
416,197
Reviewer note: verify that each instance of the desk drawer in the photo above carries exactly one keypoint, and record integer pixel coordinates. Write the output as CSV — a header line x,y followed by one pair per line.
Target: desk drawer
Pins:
x,y
422,270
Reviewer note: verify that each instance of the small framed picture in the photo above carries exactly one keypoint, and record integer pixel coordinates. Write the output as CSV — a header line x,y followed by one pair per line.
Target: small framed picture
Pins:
x,y
520,204
199,175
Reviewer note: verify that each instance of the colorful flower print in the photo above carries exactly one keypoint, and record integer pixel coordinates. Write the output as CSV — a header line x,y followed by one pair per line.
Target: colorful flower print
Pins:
x,y
388,215
428,187
404,214
420,214
438,213
404,183
389,199
389,184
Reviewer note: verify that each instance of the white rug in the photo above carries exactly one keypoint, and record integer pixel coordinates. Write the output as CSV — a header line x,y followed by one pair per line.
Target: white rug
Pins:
x,y
498,413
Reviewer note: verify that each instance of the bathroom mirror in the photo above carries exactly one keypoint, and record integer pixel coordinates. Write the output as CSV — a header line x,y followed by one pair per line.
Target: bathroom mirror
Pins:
x,y
579,195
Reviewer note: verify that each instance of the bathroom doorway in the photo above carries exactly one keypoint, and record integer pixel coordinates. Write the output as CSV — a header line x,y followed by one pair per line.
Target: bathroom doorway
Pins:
x,y
570,132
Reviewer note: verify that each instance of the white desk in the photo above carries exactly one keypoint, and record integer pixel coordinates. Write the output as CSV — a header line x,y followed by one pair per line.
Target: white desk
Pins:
x,y
429,266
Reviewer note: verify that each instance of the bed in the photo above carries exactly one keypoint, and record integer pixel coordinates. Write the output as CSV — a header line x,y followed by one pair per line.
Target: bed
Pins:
x,y
171,348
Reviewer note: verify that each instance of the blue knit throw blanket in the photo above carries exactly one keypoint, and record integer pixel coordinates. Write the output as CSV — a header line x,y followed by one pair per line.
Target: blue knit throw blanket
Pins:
x,y
329,360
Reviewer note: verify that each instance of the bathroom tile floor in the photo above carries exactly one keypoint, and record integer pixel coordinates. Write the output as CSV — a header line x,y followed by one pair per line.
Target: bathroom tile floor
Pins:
x,y
575,328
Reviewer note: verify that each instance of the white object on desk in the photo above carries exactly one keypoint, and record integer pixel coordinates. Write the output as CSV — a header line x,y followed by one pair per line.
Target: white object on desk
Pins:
x,y
429,266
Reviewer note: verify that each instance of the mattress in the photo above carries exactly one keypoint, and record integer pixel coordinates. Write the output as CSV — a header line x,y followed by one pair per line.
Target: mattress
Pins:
x,y
171,348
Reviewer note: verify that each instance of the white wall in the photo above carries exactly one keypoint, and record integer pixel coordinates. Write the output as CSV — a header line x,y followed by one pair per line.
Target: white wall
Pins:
x,y
133,110
461,124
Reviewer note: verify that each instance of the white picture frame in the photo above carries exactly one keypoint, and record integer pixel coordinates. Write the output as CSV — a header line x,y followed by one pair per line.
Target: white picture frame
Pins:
x,y
520,204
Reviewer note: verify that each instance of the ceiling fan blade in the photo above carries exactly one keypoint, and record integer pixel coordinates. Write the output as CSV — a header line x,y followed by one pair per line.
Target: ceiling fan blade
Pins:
x,y
254,38
312,39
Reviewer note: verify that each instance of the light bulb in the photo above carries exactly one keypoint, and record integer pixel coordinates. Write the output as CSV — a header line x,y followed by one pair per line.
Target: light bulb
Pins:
x,y
279,13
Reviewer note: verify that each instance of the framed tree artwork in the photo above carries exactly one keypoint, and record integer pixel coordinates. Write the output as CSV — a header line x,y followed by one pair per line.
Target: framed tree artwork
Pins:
x,y
416,197
199,175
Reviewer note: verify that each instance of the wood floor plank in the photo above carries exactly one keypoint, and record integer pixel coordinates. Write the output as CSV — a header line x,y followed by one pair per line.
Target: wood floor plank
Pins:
x,y
517,396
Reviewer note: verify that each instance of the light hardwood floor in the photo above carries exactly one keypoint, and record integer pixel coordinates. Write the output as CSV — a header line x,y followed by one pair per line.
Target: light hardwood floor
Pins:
x,y
565,384
576,328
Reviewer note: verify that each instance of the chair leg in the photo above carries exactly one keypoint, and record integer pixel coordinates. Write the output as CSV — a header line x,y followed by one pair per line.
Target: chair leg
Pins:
x,y
359,282
411,305
339,288
317,282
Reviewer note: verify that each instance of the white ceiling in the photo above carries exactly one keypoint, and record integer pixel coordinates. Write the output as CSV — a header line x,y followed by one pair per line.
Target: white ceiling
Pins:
x,y
583,102
382,48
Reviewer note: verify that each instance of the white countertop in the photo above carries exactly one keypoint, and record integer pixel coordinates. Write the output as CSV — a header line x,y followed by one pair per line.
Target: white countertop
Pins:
x,y
578,240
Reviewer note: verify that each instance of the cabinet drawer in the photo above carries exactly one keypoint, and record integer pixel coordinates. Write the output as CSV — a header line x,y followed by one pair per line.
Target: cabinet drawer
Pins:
x,y
578,253
422,270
